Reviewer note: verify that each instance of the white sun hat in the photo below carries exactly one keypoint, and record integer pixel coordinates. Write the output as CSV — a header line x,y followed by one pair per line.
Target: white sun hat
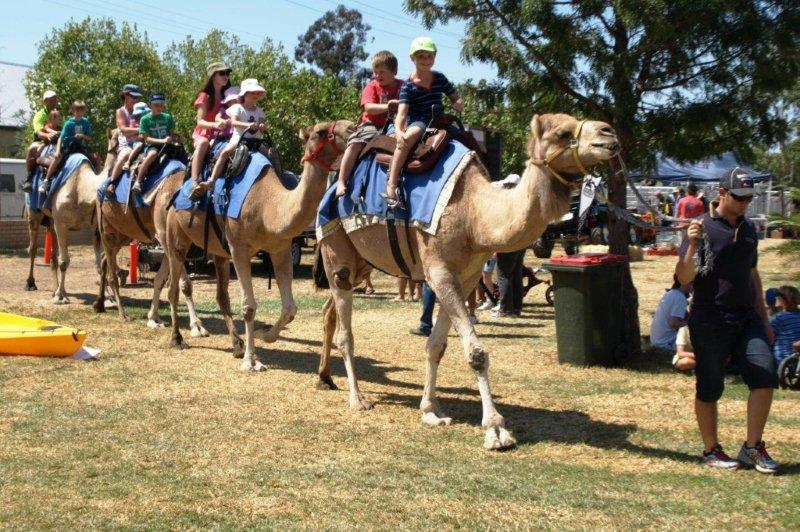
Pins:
x,y
231,94
250,85
48,94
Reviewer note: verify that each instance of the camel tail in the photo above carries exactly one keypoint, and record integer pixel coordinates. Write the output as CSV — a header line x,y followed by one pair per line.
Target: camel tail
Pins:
x,y
318,271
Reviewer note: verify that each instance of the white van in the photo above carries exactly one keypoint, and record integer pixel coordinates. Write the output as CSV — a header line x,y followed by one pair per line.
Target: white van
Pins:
x,y
12,199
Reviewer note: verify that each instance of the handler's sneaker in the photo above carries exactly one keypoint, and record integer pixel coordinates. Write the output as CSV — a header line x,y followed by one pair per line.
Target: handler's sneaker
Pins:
x,y
717,458
486,305
759,458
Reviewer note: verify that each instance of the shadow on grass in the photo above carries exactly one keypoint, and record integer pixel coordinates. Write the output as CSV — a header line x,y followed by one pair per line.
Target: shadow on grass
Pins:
x,y
536,425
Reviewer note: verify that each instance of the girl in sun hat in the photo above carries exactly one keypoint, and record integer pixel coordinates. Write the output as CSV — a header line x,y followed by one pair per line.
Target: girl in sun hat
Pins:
x,y
231,97
247,120
207,104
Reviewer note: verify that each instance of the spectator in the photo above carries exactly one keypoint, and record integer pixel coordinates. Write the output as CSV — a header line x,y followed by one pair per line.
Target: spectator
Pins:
x,y
728,319
786,322
487,277
670,316
414,290
509,280
426,320
771,300
684,352
690,206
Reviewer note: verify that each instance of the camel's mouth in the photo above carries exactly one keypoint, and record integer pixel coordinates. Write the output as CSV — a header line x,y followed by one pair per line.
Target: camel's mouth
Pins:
x,y
610,147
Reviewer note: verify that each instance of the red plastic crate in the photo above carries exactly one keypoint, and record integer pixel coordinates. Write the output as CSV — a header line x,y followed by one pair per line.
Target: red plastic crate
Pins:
x,y
583,259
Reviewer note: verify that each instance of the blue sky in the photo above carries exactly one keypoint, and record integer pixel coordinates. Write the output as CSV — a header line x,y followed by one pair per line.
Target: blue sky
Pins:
x,y
26,23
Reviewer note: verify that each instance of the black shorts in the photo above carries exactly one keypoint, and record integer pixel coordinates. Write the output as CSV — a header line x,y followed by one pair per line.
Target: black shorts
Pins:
x,y
716,338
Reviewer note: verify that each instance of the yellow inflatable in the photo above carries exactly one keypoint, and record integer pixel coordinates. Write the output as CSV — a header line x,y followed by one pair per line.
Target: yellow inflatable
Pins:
x,y
20,335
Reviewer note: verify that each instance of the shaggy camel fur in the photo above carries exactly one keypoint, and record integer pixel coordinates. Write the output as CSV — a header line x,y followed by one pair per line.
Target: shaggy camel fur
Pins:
x,y
118,226
271,216
72,208
479,219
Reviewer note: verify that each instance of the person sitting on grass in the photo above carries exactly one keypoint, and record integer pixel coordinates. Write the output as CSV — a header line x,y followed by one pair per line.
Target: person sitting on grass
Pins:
x,y
684,353
670,316
75,136
420,100
157,128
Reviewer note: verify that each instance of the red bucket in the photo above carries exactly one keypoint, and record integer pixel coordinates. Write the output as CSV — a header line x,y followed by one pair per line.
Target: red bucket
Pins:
x,y
585,259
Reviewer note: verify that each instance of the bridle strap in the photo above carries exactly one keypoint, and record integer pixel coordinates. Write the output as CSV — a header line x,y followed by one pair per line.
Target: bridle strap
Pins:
x,y
330,138
573,145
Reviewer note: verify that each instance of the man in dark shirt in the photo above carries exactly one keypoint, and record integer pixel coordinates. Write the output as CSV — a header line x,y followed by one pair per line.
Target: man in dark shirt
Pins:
x,y
728,319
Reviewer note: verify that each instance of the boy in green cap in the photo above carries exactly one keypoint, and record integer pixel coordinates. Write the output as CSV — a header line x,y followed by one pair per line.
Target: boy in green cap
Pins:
x,y
420,100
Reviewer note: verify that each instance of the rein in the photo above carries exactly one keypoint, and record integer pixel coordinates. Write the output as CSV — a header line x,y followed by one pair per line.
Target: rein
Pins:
x,y
330,138
573,145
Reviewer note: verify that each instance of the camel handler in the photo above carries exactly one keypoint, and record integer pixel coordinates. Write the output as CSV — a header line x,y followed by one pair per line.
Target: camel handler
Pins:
x,y
41,136
728,319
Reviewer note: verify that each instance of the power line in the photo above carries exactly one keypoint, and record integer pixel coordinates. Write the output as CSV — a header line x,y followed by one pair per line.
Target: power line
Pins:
x,y
394,18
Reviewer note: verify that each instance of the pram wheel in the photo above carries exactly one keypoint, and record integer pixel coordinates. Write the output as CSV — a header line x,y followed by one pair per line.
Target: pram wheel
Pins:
x,y
787,373
548,295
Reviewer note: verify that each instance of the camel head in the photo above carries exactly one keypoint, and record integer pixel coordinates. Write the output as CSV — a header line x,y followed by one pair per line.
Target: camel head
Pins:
x,y
567,147
325,143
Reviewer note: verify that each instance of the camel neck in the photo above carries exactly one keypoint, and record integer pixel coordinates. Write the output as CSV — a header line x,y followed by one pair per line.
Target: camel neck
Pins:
x,y
298,207
512,218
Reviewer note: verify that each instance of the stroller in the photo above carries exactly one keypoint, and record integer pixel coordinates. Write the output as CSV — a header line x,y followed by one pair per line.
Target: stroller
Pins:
x,y
789,371
529,280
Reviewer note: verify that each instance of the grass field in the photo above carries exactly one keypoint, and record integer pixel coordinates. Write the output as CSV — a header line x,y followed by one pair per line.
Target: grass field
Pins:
x,y
149,437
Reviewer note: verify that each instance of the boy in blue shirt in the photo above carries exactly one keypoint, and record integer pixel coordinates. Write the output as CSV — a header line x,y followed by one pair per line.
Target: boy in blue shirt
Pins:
x,y
76,134
420,100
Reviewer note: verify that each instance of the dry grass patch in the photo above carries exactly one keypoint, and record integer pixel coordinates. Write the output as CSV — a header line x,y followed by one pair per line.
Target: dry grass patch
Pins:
x,y
152,437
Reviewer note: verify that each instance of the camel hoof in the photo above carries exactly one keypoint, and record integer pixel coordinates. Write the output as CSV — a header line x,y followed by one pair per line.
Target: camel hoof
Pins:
x,y
125,317
60,300
436,420
198,331
30,286
253,366
326,383
179,343
361,404
99,306
155,324
238,348
497,439
268,334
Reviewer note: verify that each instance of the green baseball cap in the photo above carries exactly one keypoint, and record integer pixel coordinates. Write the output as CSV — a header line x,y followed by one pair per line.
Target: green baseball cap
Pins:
x,y
422,44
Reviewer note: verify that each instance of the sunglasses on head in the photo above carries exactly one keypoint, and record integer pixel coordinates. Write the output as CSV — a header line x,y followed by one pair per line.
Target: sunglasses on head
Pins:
x,y
739,198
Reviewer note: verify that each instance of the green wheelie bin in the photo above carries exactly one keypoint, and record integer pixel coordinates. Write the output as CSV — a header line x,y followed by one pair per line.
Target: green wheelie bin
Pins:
x,y
590,327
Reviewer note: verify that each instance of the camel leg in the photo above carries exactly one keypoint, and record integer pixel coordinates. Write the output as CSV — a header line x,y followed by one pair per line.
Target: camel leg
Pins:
x,y
60,296
434,349
222,268
34,223
175,258
162,275
343,299
282,264
451,296
329,328
99,304
241,261
111,268
195,325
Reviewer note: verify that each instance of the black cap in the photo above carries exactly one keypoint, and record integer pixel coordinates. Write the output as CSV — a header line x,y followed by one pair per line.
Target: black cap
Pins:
x,y
158,97
132,90
737,181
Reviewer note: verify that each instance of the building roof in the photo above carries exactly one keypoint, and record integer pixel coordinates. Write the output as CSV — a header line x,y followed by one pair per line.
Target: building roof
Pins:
x,y
12,94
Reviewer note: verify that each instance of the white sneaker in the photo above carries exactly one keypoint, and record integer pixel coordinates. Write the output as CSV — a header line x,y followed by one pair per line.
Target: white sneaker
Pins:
x,y
486,305
496,308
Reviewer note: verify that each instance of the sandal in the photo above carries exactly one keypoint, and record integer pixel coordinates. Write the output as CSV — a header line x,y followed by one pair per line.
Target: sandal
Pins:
x,y
198,190
137,187
111,189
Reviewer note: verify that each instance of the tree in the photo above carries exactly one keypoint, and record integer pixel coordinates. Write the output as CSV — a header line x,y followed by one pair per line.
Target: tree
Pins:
x,y
689,78
335,44
91,60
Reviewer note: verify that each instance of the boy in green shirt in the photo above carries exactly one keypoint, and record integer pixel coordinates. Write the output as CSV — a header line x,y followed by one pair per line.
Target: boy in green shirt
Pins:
x,y
157,128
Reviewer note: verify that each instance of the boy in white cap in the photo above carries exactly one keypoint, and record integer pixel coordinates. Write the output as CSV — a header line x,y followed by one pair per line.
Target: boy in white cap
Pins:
x,y
247,120
156,128
41,136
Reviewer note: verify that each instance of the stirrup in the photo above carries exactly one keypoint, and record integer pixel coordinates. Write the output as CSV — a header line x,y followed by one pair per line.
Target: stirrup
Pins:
x,y
111,189
394,203
27,186
198,190
137,187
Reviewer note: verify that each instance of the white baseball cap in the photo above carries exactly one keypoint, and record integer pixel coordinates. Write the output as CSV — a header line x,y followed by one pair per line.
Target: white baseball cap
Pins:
x,y
48,95
250,85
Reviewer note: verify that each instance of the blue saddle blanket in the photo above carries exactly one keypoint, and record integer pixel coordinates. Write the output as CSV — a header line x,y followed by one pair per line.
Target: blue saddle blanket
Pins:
x,y
229,193
426,194
38,201
151,181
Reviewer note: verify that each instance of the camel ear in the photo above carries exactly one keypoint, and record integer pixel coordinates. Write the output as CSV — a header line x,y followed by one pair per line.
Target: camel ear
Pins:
x,y
536,127
304,134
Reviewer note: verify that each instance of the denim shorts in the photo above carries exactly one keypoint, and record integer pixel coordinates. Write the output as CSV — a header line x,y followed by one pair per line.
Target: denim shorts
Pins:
x,y
716,338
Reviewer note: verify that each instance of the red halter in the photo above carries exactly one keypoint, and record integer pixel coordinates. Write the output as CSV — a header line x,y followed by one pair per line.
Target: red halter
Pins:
x,y
313,157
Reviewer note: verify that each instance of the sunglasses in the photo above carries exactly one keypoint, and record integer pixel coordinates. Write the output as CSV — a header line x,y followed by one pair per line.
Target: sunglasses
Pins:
x,y
225,73
741,199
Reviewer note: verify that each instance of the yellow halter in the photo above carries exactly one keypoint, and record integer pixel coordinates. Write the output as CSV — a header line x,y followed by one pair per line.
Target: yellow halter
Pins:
x,y
573,145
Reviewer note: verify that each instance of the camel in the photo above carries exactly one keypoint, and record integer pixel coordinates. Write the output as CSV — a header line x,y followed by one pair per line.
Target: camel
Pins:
x,y
72,208
478,220
118,226
271,216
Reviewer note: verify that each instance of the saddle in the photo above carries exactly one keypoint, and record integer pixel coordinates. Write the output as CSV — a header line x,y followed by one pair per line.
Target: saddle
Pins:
x,y
428,150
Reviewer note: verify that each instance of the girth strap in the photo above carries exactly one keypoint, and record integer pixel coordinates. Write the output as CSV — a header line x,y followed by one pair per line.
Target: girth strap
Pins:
x,y
394,244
